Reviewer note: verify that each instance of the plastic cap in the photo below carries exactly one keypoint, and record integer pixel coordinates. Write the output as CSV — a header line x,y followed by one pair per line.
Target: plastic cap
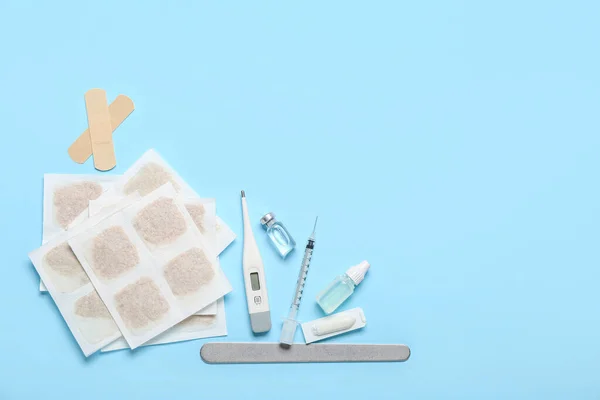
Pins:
x,y
357,273
268,217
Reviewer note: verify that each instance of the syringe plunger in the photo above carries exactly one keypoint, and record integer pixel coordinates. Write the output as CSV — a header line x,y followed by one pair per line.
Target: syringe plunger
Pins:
x,y
288,332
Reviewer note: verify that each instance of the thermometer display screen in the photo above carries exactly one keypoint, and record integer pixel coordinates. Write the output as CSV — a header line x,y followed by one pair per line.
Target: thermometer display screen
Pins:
x,y
254,282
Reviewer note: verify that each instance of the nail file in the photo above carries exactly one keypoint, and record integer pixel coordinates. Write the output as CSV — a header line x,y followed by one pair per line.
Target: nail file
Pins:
x,y
81,149
258,353
100,129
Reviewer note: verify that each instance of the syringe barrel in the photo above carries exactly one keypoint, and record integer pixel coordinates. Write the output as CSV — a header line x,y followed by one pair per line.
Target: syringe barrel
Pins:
x,y
302,275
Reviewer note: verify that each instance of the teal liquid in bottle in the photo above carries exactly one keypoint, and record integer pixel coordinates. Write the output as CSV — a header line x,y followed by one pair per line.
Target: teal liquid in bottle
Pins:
x,y
342,287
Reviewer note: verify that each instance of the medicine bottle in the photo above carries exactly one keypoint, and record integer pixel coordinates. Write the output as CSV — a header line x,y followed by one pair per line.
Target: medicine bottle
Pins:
x,y
279,235
342,287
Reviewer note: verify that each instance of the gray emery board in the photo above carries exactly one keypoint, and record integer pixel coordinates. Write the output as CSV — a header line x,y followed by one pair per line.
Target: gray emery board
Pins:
x,y
258,353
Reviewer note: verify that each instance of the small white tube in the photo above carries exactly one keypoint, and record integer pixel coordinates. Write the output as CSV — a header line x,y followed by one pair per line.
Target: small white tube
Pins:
x,y
333,325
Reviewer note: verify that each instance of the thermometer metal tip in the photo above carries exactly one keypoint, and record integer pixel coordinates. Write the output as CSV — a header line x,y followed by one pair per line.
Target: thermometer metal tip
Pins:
x,y
243,194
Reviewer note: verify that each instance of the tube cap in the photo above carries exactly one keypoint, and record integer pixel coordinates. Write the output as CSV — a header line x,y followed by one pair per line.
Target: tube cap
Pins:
x,y
357,273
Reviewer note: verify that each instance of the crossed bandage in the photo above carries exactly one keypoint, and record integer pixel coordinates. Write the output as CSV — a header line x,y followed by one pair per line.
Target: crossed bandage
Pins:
x,y
103,120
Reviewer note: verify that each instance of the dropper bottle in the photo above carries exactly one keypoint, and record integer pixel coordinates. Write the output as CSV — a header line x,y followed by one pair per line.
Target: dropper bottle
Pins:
x,y
342,287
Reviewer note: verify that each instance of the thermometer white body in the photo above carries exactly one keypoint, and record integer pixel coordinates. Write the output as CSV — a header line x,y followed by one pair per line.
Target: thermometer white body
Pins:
x,y
254,278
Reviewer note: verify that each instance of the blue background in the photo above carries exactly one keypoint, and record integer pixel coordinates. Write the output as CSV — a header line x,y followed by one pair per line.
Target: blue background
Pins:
x,y
454,145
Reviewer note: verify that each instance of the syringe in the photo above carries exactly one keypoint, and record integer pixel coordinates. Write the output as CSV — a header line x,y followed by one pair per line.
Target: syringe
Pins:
x,y
289,324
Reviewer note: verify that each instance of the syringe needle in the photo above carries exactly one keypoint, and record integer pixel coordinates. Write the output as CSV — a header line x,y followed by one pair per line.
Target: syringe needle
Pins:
x,y
312,236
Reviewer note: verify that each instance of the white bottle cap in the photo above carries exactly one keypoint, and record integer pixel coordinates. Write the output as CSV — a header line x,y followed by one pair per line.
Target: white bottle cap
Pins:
x,y
357,273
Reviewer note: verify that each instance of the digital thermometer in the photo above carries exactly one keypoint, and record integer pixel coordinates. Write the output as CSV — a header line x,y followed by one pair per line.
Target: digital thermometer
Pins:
x,y
254,278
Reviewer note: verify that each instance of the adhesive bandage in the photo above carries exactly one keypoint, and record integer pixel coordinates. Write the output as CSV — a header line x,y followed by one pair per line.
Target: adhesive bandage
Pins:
x,y
81,149
160,222
72,200
113,254
225,236
333,325
150,177
203,213
91,306
66,199
140,304
193,327
149,173
68,284
61,264
197,212
208,322
188,272
152,296
100,129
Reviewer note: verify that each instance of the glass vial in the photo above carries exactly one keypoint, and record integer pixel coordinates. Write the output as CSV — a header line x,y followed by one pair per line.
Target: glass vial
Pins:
x,y
342,287
280,237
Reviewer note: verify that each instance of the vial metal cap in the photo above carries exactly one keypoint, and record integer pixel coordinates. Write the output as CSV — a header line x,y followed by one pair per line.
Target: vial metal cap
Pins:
x,y
268,217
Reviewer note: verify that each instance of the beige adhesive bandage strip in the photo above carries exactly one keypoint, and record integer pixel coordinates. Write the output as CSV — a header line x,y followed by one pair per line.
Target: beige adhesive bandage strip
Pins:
x,y
119,110
100,129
